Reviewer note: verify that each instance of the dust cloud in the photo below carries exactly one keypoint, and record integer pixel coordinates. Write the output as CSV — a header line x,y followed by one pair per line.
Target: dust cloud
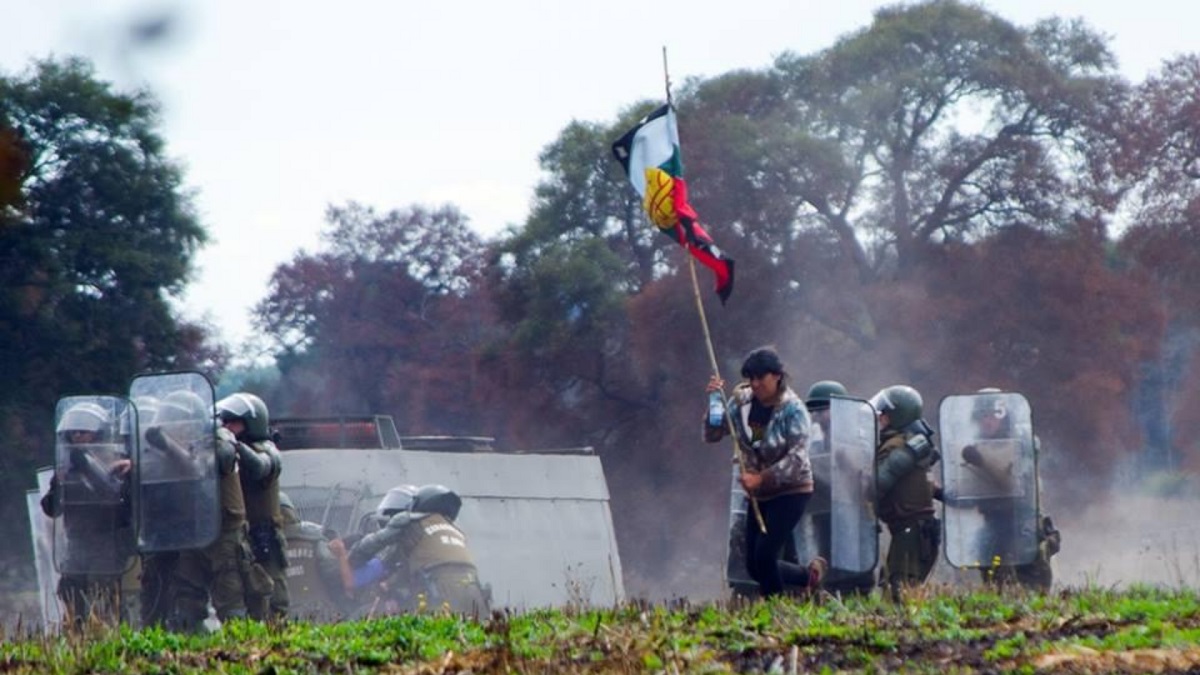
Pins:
x,y
1130,539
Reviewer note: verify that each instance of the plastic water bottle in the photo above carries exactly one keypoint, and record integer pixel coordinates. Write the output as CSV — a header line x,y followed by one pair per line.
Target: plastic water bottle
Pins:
x,y
716,409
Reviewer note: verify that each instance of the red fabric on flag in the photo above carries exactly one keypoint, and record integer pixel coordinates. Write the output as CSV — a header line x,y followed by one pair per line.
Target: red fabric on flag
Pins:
x,y
689,233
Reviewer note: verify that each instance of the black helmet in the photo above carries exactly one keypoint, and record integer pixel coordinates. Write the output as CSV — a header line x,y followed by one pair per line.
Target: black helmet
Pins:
x,y
902,404
399,498
251,410
438,499
819,393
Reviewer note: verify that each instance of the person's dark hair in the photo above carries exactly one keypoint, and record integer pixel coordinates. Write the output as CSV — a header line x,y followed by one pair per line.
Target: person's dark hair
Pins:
x,y
762,361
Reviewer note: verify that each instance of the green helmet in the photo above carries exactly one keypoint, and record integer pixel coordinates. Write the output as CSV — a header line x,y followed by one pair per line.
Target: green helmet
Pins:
x,y
251,410
437,499
147,408
902,404
288,509
185,413
399,498
990,404
86,416
819,393
182,406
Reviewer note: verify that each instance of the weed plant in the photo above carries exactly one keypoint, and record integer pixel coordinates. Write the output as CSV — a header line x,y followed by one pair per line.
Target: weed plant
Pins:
x,y
935,629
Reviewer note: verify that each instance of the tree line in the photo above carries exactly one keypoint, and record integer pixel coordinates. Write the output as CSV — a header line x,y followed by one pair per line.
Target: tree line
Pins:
x,y
941,198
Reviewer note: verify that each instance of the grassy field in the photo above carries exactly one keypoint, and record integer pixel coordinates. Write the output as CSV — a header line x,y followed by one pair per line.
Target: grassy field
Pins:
x,y
1140,630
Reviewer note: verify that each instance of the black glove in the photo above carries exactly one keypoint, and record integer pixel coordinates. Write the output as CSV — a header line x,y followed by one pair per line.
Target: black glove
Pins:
x,y
156,438
970,455
1048,526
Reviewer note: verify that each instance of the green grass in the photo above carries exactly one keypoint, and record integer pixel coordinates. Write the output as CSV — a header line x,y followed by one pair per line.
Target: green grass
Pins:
x,y
934,630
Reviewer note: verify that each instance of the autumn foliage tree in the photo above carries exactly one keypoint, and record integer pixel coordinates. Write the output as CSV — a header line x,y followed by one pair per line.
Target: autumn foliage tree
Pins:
x,y
387,319
1160,162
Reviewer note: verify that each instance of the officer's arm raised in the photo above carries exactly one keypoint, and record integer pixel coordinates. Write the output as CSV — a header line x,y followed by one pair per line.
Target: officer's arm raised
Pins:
x,y
257,465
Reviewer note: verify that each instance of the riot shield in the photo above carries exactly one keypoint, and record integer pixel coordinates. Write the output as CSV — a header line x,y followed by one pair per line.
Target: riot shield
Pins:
x,y
989,480
737,574
854,540
176,486
804,543
41,532
811,536
90,495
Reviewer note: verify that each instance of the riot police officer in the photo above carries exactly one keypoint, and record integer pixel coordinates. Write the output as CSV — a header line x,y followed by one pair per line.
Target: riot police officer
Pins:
x,y
178,585
903,489
259,466
319,579
817,400
1005,519
89,493
426,554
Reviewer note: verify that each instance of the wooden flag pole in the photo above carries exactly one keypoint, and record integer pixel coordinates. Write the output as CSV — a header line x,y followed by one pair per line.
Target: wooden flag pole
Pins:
x,y
712,357
712,354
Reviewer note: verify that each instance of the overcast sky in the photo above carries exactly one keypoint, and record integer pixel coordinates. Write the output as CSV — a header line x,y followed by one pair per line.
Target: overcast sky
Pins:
x,y
279,109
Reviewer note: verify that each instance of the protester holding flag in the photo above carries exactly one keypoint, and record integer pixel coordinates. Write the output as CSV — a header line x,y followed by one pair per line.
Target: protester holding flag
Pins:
x,y
771,425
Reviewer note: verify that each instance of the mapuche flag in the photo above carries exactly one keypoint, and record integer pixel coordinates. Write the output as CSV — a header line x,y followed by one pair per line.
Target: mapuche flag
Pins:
x,y
649,153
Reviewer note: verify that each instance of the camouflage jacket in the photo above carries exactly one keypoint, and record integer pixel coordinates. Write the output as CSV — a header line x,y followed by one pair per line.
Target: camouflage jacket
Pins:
x,y
781,455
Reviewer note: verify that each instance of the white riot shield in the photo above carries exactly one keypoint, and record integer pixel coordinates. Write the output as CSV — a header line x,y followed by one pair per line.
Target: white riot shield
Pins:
x,y
176,487
854,539
989,480
90,493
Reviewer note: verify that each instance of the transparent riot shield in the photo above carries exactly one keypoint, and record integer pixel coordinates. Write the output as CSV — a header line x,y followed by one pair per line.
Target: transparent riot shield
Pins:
x,y
803,545
811,536
737,574
176,486
989,480
854,540
41,532
90,495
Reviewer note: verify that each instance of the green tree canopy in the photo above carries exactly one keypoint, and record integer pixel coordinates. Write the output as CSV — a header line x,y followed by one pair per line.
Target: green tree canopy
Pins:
x,y
96,234
102,235
939,121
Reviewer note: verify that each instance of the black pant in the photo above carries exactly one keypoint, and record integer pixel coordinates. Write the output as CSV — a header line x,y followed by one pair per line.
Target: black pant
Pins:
x,y
780,515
